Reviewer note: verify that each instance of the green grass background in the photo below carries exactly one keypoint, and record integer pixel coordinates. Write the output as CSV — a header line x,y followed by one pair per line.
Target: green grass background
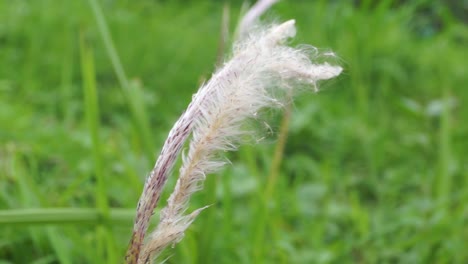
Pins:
x,y
375,168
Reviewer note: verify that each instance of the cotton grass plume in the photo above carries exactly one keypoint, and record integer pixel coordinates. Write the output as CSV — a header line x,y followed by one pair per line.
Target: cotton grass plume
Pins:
x,y
262,71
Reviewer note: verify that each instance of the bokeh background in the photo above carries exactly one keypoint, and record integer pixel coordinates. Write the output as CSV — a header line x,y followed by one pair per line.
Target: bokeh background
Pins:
x,y
374,170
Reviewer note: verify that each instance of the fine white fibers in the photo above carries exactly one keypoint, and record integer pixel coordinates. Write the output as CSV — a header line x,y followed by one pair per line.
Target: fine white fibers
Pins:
x,y
261,69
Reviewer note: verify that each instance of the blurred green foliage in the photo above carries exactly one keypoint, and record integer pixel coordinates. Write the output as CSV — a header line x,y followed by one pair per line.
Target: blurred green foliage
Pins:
x,y
375,167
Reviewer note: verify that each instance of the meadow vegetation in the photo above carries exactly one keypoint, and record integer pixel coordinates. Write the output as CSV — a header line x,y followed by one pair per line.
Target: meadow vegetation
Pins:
x,y
374,169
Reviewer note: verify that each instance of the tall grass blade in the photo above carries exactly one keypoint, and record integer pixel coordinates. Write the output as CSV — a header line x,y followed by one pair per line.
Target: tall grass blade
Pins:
x,y
131,93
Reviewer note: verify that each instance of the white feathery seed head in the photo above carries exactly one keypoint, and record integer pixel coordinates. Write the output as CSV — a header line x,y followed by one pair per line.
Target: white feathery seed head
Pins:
x,y
261,70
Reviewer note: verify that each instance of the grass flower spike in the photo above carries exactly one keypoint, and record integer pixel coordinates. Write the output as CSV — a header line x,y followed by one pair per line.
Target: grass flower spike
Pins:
x,y
261,72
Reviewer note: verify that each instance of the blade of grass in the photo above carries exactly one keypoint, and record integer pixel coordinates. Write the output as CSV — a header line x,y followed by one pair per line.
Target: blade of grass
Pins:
x,y
270,186
63,252
32,197
130,92
54,236
205,244
92,118
27,192
64,216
